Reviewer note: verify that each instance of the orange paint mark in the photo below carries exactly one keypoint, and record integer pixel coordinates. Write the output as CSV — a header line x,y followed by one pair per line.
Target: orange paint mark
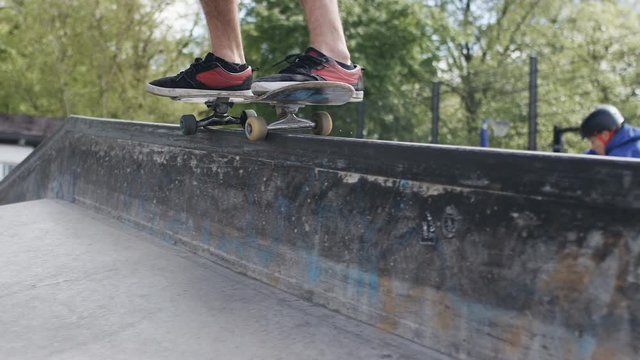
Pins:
x,y
274,280
444,313
515,336
388,322
568,280
608,352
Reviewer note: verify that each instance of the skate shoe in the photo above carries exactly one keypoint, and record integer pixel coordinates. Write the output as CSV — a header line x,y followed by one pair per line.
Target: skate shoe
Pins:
x,y
211,76
312,65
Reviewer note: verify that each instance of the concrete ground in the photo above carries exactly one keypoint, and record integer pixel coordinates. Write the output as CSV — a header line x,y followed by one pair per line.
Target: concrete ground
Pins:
x,y
77,285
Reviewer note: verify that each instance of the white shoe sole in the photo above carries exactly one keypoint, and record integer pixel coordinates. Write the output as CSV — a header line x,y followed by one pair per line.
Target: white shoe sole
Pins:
x,y
185,93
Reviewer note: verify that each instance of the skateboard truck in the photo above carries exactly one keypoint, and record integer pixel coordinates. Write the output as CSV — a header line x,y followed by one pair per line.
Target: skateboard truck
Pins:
x,y
220,107
289,120
256,127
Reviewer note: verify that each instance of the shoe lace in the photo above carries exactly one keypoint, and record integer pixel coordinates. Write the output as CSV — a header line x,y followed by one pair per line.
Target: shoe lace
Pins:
x,y
195,65
301,63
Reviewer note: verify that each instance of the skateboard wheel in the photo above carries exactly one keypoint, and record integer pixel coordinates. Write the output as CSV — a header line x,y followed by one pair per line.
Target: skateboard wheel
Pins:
x,y
323,123
245,114
255,128
188,124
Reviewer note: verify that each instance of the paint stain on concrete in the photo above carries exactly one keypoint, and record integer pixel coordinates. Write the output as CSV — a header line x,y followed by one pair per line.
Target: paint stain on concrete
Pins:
x,y
374,287
388,321
609,352
413,301
515,337
572,350
205,234
274,279
313,268
568,280
444,320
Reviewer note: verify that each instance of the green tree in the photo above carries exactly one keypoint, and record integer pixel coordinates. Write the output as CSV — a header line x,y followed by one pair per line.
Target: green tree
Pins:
x,y
89,57
484,69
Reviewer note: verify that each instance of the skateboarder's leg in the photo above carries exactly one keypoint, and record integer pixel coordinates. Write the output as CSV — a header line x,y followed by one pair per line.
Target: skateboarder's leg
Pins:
x,y
222,71
224,29
327,59
325,28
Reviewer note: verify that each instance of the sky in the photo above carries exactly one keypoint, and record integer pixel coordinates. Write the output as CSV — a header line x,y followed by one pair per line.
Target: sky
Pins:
x,y
181,14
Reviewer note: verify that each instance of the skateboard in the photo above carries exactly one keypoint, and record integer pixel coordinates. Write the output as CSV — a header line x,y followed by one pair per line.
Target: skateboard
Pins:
x,y
286,101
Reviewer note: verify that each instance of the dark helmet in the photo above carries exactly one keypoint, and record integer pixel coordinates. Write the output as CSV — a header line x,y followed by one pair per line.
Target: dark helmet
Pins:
x,y
605,117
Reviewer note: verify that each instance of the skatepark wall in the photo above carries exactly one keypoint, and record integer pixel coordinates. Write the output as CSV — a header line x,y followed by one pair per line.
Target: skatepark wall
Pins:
x,y
476,253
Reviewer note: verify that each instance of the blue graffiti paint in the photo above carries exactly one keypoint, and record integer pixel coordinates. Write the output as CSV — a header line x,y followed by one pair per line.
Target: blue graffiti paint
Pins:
x,y
173,226
57,189
587,347
313,268
250,195
250,224
404,185
364,283
205,234
324,211
224,244
368,255
357,280
405,192
239,248
282,209
264,254
374,287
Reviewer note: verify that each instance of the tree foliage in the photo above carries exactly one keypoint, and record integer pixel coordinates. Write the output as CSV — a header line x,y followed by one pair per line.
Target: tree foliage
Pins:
x,y
90,57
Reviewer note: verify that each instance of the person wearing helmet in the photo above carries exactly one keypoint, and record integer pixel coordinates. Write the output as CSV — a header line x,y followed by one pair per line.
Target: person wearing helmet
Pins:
x,y
609,135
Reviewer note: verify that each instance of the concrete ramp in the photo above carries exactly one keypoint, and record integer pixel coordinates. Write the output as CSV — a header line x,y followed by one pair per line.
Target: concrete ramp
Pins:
x,y
78,285
474,253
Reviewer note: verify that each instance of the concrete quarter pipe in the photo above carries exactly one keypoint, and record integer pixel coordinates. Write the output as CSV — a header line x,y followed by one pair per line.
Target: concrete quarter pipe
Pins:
x,y
473,253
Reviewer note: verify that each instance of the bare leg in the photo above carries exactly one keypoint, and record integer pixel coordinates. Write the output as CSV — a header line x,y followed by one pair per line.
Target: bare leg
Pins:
x,y
224,29
325,28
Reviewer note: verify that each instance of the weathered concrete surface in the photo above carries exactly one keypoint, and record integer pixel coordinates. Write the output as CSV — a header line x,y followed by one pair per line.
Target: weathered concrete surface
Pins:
x,y
77,285
475,253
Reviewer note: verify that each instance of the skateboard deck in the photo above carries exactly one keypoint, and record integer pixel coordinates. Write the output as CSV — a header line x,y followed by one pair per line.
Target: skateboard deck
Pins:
x,y
286,100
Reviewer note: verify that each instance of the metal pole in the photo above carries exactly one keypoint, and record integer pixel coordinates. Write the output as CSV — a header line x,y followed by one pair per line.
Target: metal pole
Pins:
x,y
435,111
557,139
533,103
360,127
558,133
